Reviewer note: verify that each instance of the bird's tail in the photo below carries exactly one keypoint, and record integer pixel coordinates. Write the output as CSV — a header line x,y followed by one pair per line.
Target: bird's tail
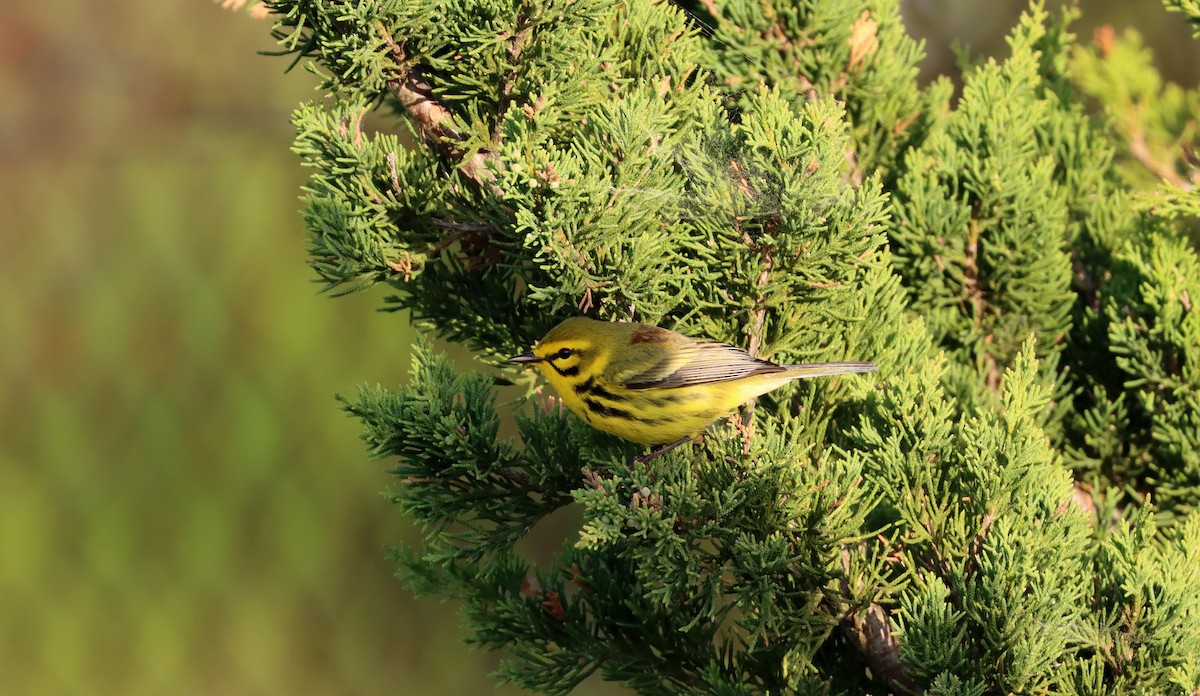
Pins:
x,y
829,368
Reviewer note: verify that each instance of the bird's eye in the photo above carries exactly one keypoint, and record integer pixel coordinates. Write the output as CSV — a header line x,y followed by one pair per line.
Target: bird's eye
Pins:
x,y
564,353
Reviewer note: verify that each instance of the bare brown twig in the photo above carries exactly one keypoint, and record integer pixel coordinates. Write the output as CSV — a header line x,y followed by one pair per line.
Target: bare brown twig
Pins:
x,y
1140,149
516,45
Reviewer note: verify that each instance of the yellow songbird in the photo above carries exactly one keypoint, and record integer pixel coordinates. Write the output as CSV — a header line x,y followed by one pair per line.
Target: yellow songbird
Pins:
x,y
653,386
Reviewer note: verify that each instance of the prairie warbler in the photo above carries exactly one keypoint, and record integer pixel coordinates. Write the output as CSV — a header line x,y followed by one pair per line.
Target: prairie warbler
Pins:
x,y
653,386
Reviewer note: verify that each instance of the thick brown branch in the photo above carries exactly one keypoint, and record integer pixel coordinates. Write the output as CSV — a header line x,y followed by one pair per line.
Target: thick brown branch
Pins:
x,y
435,121
869,633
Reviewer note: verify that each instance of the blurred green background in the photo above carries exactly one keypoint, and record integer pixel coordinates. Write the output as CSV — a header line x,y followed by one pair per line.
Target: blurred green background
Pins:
x,y
183,508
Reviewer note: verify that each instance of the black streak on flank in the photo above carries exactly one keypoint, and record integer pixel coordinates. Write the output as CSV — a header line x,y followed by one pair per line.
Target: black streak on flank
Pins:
x,y
607,411
662,401
606,394
589,386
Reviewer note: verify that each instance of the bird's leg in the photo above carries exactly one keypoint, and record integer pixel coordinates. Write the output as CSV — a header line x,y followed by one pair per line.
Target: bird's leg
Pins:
x,y
642,459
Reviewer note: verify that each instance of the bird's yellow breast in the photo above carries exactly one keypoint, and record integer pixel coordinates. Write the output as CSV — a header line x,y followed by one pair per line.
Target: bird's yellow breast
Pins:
x,y
655,416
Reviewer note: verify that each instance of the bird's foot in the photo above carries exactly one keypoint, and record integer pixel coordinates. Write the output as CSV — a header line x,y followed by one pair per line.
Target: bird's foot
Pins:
x,y
643,458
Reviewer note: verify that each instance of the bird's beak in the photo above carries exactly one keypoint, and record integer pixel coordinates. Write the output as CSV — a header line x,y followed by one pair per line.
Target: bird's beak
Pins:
x,y
525,358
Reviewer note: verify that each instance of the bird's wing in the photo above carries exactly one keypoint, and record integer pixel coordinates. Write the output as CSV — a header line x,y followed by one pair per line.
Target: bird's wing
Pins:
x,y
695,363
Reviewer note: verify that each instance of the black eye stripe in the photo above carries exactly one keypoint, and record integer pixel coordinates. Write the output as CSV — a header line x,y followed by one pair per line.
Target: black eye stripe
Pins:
x,y
560,355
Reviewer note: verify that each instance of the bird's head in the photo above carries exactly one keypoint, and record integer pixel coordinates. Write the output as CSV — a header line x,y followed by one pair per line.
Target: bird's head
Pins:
x,y
570,349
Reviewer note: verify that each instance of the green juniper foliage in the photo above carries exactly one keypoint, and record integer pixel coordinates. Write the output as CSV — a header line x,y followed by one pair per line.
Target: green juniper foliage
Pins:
x,y
1007,506
1191,9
